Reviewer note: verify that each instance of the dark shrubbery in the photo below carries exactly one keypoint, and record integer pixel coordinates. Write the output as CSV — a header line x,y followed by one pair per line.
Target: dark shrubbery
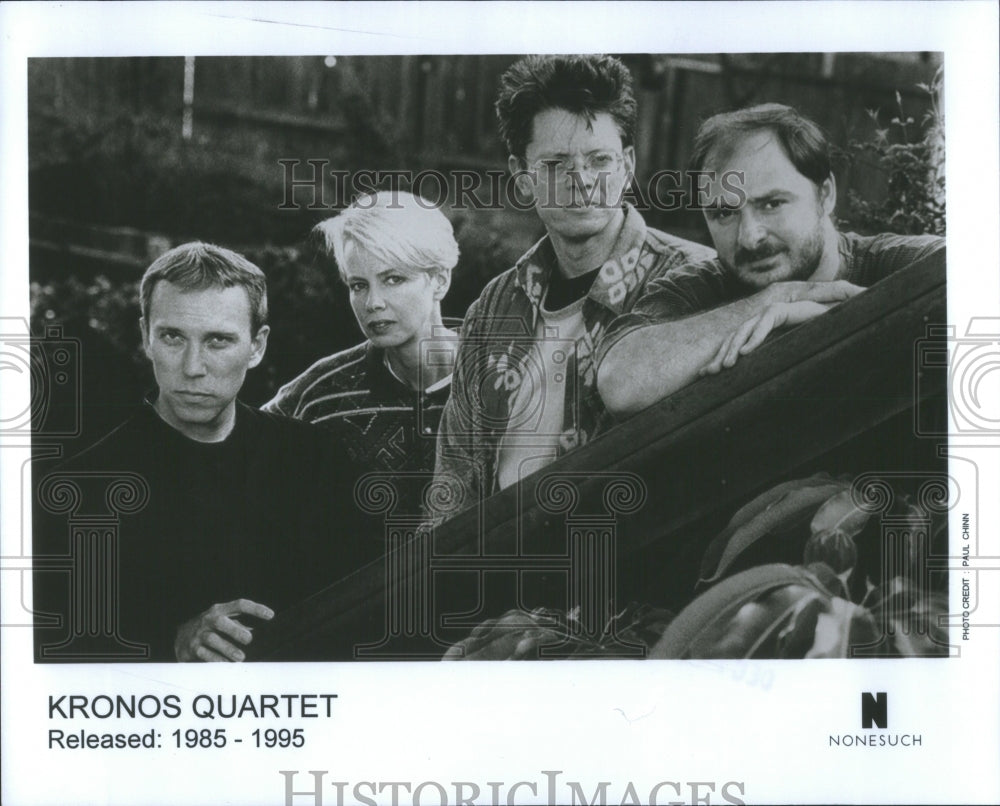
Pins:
x,y
134,170
909,158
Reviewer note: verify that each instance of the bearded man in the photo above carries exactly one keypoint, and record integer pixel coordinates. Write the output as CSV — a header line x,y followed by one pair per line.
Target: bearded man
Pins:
x,y
781,260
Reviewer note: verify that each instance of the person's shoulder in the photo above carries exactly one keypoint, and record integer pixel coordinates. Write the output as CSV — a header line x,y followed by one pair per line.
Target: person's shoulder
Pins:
x,y
119,448
699,270
688,288
496,294
869,258
346,362
338,372
345,367
884,241
707,266
682,251
502,282
297,438
276,424
293,454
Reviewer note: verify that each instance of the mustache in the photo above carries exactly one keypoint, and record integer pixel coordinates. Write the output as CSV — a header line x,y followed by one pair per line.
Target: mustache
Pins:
x,y
761,252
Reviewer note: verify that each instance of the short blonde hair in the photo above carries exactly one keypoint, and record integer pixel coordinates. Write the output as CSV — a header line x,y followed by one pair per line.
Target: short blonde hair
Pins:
x,y
406,232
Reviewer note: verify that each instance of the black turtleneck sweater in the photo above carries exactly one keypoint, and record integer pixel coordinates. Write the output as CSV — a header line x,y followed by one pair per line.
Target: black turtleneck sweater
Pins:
x,y
266,514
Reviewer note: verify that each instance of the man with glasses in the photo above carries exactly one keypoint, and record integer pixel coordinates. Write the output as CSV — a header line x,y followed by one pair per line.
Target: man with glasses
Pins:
x,y
524,389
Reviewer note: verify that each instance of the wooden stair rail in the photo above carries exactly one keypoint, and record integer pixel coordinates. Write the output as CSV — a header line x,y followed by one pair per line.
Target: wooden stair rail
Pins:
x,y
703,451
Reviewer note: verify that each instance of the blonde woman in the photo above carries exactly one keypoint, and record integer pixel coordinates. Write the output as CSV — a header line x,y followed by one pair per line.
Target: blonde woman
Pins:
x,y
384,397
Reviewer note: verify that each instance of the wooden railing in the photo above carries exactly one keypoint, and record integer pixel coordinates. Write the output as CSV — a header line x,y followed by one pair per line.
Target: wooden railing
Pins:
x,y
628,515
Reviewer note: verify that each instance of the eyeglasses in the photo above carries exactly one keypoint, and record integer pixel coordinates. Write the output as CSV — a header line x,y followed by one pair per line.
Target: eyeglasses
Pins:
x,y
596,162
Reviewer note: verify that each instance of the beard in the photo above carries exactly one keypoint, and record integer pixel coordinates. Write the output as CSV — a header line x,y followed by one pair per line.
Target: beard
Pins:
x,y
797,261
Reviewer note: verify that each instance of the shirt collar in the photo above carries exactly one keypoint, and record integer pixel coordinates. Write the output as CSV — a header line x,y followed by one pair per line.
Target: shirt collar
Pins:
x,y
533,270
148,410
383,382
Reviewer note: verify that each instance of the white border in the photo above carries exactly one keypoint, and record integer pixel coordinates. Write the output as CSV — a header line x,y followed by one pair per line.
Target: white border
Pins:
x,y
595,721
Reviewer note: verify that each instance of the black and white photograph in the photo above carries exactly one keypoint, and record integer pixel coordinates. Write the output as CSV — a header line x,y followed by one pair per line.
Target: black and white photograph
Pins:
x,y
342,345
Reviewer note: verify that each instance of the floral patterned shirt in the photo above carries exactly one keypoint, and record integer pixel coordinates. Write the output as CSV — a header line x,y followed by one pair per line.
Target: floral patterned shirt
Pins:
x,y
494,358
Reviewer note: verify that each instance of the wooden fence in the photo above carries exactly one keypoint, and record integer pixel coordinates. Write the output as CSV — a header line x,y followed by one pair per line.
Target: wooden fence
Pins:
x,y
439,109
241,115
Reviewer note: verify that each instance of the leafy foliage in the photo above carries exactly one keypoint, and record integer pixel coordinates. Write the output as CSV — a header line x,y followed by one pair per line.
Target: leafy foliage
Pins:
x,y
829,605
134,170
524,635
910,159
767,523
832,601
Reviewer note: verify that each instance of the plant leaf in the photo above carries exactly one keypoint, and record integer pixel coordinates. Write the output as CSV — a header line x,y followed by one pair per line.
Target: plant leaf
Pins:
x,y
802,631
794,504
789,623
833,630
769,497
840,513
720,603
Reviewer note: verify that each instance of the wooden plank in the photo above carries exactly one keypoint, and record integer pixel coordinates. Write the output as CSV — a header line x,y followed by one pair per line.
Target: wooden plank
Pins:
x,y
219,111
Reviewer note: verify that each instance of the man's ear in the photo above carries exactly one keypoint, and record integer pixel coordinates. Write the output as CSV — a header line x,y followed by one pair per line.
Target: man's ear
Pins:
x,y
522,182
441,280
629,154
258,346
828,194
144,333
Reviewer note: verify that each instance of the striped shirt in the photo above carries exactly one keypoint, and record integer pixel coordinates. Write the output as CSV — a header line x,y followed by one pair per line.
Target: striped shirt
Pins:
x,y
383,423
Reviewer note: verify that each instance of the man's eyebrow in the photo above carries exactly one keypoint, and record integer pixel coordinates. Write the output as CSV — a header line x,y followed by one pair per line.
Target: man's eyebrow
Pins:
x,y
720,203
767,195
222,334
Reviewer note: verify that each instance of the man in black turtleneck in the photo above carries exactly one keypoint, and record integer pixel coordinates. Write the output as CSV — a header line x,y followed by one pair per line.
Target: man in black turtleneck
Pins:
x,y
242,505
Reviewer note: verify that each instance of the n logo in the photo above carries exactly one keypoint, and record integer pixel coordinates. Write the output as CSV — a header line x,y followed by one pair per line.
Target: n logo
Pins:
x,y
874,708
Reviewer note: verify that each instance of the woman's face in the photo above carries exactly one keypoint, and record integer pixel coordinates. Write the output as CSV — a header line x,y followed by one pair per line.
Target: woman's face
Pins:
x,y
394,308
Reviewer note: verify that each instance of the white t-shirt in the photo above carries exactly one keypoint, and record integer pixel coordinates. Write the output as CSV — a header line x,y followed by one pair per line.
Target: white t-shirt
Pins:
x,y
538,409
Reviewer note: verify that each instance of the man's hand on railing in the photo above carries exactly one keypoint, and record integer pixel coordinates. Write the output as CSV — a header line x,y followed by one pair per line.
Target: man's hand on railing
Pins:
x,y
213,636
831,291
751,334
786,304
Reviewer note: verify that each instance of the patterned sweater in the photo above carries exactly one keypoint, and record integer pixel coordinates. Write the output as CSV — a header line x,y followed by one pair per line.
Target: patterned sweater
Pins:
x,y
383,424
